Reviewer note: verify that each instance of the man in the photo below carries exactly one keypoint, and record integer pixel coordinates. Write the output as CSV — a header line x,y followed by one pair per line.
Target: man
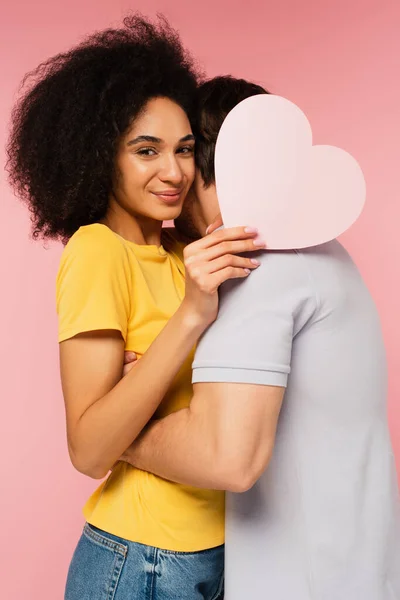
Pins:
x,y
291,376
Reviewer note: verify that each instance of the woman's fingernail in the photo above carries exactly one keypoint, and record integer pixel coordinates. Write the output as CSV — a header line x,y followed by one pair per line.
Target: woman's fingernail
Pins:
x,y
208,229
247,271
250,230
259,242
255,261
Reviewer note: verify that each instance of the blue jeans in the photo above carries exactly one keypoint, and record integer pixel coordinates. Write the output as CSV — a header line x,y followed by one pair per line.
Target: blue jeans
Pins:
x,y
106,567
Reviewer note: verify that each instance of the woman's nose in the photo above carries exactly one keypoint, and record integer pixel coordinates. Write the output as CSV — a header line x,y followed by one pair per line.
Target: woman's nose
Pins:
x,y
171,170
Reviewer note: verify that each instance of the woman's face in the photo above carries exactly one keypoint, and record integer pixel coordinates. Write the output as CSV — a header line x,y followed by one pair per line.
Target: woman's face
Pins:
x,y
155,162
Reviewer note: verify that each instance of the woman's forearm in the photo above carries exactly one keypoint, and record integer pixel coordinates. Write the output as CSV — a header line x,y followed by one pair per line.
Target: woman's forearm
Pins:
x,y
113,422
109,423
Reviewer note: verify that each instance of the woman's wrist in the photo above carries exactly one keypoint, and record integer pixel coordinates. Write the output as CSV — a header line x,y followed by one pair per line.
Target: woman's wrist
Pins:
x,y
190,320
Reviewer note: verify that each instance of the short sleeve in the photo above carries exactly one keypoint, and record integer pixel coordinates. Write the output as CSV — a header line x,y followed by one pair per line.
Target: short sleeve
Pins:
x,y
251,339
93,284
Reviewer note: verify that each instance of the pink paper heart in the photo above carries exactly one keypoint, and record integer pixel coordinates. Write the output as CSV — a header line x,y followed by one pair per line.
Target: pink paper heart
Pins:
x,y
269,175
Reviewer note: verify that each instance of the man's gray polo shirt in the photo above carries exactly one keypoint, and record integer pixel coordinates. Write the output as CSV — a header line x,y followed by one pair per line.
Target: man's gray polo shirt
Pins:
x,y
323,521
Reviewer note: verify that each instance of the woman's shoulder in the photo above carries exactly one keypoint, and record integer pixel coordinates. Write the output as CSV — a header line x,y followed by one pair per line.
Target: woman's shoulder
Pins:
x,y
94,239
92,253
94,248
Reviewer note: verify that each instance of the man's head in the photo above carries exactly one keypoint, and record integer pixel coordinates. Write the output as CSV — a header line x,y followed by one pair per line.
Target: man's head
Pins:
x,y
215,99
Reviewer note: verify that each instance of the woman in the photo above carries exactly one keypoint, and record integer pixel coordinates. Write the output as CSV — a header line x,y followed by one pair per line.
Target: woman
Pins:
x,y
102,151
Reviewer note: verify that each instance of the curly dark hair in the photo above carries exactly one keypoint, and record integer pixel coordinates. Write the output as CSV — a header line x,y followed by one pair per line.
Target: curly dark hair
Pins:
x,y
66,126
215,99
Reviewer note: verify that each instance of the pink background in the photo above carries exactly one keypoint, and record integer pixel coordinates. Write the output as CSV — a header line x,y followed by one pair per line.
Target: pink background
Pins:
x,y
340,62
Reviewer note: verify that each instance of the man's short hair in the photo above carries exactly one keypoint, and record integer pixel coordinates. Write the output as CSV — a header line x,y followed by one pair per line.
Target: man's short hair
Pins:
x,y
215,99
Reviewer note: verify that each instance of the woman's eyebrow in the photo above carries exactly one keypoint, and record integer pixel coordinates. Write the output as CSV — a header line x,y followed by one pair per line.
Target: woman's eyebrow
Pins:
x,y
188,138
145,138
155,140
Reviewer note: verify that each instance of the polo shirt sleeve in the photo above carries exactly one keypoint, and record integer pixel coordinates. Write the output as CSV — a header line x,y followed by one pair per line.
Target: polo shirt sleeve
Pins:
x,y
93,284
251,339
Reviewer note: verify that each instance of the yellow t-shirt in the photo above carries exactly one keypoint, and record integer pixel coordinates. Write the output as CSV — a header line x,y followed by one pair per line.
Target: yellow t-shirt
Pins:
x,y
106,282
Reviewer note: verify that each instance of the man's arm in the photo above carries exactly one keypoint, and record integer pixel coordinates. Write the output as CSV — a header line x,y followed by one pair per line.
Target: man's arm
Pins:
x,y
224,440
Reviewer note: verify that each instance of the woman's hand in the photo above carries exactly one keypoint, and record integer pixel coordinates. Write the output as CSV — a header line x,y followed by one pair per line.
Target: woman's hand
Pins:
x,y
130,360
211,261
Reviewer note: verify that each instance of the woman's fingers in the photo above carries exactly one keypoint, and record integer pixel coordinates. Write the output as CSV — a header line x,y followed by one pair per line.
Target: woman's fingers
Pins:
x,y
212,261
230,260
222,235
206,274
223,248
129,357
223,275
127,368
130,360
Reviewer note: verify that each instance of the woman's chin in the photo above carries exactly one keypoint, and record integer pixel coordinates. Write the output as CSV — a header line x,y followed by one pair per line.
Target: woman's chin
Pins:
x,y
168,213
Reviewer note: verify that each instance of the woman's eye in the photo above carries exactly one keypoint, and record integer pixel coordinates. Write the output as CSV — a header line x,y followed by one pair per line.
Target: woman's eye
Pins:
x,y
186,150
147,152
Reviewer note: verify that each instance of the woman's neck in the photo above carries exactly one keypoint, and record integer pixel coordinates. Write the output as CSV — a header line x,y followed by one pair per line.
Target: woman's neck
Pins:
x,y
136,229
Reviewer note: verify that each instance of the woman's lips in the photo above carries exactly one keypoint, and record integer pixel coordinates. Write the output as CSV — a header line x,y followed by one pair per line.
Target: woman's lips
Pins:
x,y
169,196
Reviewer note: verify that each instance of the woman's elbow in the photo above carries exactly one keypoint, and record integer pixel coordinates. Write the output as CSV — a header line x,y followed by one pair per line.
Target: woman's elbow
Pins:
x,y
92,471
85,465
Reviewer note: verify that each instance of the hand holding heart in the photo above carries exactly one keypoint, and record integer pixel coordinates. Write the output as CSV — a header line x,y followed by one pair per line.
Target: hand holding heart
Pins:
x,y
269,175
